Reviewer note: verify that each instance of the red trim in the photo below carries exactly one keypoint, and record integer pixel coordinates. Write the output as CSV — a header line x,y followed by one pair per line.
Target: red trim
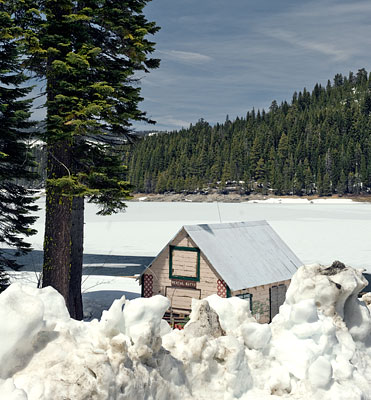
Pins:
x,y
147,285
221,288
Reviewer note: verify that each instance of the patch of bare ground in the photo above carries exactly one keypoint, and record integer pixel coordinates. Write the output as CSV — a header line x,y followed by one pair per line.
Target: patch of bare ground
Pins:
x,y
231,197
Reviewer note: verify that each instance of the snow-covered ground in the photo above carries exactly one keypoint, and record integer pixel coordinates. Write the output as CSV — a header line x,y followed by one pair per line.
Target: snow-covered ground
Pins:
x,y
319,231
317,347
121,245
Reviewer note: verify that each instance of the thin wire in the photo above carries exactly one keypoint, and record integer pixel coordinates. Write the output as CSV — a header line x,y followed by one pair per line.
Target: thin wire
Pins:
x,y
220,218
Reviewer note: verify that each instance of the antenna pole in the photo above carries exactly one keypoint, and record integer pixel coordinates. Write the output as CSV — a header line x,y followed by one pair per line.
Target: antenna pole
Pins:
x,y
220,218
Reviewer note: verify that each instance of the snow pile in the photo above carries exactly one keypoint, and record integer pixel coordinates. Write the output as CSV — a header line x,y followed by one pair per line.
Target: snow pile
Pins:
x,y
46,355
317,347
321,336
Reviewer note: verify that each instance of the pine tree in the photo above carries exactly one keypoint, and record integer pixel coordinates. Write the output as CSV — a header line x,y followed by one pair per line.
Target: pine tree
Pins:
x,y
283,149
255,153
89,52
161,185
16,203
342,184
351,182
308,178
226,174
326,185
319,184
260,172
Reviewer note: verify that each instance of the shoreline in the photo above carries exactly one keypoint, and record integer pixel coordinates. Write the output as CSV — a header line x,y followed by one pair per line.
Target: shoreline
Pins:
x,y
234,197
251,198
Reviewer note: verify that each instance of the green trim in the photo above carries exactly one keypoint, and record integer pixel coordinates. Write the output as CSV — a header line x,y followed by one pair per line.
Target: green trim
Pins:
x,y
245,296
228,292
186,278
142,286
183,248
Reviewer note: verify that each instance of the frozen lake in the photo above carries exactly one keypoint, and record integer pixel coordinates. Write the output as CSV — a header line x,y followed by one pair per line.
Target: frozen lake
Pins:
x,y
316,232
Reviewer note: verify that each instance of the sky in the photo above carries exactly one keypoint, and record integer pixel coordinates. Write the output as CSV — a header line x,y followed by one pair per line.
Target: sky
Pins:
x,y
224,57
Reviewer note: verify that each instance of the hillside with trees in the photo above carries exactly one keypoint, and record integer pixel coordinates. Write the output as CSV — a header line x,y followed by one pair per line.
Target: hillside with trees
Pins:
x,y
320,143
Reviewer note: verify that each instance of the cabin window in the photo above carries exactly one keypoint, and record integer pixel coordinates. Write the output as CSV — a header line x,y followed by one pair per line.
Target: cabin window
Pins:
x,y
184,263
247,297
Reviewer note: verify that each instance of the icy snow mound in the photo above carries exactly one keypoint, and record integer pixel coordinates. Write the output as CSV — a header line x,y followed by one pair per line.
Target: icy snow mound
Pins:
x,y
46,355
321,337
317,347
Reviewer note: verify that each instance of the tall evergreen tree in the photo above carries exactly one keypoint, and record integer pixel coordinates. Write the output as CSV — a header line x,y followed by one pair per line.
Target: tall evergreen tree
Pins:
x,y
89,52
16,203
342,184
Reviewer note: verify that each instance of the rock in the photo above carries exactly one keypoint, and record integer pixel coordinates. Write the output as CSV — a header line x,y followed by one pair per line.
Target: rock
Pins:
x,y
204,321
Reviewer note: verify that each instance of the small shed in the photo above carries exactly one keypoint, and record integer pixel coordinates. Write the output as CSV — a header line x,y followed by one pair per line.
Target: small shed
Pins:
x,y
244,259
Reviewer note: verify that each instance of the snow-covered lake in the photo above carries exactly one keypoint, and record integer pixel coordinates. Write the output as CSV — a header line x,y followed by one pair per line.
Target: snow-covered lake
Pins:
x,y
309,351
317,232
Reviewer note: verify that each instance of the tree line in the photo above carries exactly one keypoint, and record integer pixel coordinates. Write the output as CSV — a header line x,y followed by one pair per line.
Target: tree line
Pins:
x,y
319,143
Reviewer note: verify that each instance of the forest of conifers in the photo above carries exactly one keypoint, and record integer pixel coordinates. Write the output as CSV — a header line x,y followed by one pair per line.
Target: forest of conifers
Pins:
x,y
320,143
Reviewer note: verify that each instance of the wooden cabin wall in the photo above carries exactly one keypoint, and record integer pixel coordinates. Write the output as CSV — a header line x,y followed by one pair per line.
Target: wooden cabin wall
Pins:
x,y
261,300
156,279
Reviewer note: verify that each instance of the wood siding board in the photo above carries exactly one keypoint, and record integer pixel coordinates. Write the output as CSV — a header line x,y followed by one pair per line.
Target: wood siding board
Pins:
x,y
261,294
175,261
181,298
180,239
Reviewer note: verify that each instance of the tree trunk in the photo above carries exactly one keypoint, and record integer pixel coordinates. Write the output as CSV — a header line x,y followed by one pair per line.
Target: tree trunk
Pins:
x,y
58,217
64,234
77,240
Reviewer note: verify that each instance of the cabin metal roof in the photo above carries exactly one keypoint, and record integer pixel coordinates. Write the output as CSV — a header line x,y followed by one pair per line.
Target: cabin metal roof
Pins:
x,y
245,254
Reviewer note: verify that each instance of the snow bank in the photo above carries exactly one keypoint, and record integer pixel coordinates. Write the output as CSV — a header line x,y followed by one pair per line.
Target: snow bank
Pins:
x,y
46,355
98,291
317,347
321,335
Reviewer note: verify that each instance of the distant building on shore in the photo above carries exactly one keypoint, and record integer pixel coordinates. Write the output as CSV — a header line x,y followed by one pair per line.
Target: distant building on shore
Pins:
x,y
244,259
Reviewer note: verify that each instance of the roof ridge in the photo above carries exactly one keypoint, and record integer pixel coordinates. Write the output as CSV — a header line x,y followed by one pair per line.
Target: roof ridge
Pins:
x,y
224,225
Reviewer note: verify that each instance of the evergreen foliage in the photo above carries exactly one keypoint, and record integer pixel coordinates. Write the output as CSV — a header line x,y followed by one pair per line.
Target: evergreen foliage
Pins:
x,y
16,203
89,52
320,144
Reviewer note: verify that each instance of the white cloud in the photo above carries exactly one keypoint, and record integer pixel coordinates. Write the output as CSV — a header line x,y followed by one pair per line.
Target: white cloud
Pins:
x,y
164,122
333,8
186,56
318,46
174,122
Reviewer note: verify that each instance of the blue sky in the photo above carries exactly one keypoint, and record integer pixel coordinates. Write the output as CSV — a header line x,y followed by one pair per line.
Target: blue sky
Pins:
x,y
224,57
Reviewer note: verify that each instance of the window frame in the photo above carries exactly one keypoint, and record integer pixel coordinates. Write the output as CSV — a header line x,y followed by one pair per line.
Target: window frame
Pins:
x,y
245,296
182,248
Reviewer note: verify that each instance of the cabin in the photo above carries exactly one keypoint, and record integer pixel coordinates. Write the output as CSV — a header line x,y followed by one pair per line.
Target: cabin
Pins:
x,y
244,259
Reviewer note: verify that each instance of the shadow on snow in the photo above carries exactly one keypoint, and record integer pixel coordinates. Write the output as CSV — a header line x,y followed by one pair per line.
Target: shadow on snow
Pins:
x,y
93,264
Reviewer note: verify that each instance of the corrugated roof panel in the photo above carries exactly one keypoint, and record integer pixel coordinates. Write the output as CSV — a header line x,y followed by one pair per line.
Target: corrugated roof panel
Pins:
x,y
245,254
